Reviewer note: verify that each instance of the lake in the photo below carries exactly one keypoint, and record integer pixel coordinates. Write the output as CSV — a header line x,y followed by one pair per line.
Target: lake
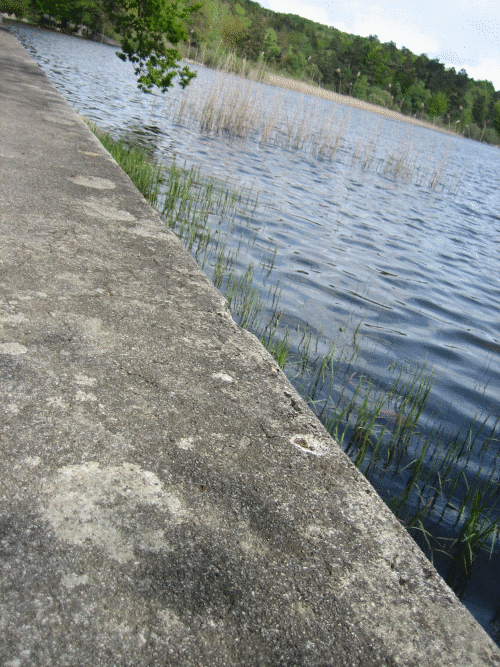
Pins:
x,y
387,234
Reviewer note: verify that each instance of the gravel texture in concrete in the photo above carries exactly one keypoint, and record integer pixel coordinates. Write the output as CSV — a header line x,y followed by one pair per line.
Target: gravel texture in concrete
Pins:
x,y
166,498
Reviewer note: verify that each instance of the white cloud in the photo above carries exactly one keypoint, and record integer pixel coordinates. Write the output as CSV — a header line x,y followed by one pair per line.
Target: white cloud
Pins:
x,y
488,68
403,35
390,22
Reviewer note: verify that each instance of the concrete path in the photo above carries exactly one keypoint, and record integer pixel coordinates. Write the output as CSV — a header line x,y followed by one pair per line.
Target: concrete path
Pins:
x,y
166,498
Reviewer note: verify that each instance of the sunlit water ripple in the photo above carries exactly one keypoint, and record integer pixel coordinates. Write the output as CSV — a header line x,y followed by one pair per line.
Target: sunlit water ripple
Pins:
x,y
419,267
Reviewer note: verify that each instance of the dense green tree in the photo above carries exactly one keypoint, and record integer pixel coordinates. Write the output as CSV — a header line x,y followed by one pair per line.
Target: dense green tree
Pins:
x,y
375,65
405,106
17,7
361,87
88,12
294,61
405,76
496,119
479,107
434,80
197,26
421,65
380,97
457,82
232,30
356,53
239,11
438,105
419,97
271,48
483,93
319,41
253,43
465,111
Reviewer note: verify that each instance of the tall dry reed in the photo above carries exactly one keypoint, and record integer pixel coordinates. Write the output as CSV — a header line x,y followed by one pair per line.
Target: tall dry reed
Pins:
x,y
241,108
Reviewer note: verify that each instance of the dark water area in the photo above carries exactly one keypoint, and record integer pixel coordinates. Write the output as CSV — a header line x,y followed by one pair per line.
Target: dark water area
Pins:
x,y
413,269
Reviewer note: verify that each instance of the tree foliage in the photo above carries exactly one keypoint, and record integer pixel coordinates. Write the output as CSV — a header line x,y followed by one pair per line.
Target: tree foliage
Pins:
x,y
438,104
150,31
232,30
88,12
496,119
17,7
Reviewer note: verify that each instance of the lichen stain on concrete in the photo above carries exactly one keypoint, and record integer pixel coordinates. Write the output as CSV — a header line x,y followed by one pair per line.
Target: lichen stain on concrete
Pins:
x,y
73,580
83,396
32,461
13,318
313,531
105,505
91,327
93,182
11,155
106,210
222,376
171,621
146,230
14,349
57,402
309,444
185,443
84,380
78,281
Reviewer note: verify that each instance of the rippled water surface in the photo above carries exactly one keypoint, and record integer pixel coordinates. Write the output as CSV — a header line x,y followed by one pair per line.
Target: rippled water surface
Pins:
x,y
417,266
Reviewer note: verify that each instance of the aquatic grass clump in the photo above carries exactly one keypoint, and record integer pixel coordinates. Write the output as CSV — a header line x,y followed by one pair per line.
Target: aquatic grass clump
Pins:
x,y
384,433
146,174
408,158
192,205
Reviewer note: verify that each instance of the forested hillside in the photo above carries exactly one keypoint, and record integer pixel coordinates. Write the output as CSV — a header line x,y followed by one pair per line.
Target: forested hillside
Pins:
x,y
365,68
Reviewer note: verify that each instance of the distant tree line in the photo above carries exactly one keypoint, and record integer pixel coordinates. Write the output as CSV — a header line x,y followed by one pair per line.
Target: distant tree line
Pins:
x,y
364,68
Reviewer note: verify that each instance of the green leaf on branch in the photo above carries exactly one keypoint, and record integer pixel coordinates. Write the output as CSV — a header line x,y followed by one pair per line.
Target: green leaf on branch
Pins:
x,y
150,31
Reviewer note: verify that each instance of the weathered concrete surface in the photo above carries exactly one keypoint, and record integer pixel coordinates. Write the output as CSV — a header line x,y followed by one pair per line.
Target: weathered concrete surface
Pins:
x,y
165,496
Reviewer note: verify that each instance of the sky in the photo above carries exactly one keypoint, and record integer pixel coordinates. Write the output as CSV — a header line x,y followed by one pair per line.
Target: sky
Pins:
x,y
460,34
